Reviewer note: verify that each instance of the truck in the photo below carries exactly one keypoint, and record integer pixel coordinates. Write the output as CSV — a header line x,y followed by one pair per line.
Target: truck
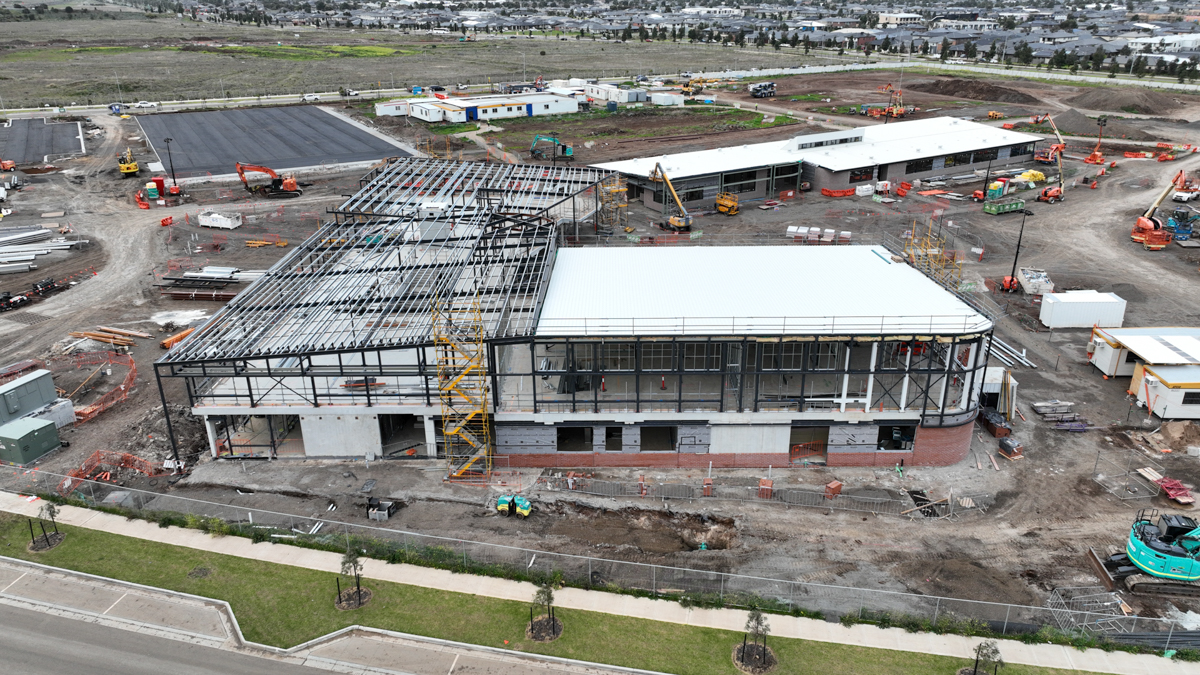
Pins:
x,y
762,90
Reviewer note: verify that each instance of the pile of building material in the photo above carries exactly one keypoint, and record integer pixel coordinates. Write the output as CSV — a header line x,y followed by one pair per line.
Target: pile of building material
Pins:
x,y
1008,355
20,246
207,284
116,337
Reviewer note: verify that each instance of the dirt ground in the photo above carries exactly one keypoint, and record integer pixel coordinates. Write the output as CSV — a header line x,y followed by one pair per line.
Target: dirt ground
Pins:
x,y
1046,511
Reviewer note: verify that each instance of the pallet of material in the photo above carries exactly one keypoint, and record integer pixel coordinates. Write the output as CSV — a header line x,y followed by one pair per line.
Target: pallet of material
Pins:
x,y
212,296
1050,407
1176,490
107,338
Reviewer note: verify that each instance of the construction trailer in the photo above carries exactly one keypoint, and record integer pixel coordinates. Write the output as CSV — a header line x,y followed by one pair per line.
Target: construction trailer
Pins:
x,y
835,160
482,108
1082,309
1162,364
472,333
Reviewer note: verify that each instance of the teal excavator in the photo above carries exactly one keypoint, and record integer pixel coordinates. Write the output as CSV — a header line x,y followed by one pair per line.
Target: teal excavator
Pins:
x,y
559,152
1162,556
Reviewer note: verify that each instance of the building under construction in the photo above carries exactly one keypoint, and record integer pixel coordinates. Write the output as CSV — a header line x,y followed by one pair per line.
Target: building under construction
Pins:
x,y
439,311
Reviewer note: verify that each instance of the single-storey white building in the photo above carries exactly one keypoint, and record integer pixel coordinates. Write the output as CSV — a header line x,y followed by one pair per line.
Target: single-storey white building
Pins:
x,y
476,108
1163,365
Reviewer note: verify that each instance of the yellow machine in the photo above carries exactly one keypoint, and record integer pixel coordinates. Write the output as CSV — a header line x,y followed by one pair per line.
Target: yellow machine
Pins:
x,y
693,87
127,164
727,203
994,115
682,222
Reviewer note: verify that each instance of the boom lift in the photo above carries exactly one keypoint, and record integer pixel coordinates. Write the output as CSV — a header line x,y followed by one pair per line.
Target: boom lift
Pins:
x,y
1096,157
281,187
1053,153
127,164
1150,230
682,222
1052,193
560,152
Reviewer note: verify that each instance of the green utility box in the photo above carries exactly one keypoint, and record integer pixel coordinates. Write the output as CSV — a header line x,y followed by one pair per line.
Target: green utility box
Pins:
x,y
25,440
997,208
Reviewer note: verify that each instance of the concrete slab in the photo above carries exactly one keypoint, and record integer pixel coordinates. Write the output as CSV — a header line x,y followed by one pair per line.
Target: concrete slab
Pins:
x,y
211,142
86,597
388,655
7,576
189,618
471,665
31,141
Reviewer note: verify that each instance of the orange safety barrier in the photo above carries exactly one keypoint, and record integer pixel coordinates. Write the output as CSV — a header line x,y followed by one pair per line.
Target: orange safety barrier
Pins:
x,y
1166,158
117,394
906,185
901,192
119,460
837,193
1009,125
141,202
169,220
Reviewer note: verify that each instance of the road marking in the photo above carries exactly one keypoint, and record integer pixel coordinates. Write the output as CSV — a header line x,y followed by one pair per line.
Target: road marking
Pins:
x,y
13,582
453,664
114,604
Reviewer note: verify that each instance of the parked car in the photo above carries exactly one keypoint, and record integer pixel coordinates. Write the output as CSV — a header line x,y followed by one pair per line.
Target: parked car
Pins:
x,y
437,87
352,92
145,104
310,97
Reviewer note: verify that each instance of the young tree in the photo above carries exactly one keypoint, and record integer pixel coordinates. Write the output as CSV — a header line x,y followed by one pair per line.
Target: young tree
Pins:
x,y
50,510
757,628
987,656
352,566
544,597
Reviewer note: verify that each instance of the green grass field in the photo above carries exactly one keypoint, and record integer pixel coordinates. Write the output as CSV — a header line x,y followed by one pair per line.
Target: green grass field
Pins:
x,y
284,606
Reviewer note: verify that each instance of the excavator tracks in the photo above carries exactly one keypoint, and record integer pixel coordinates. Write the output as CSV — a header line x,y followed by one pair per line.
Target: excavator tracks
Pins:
x,y
1144,584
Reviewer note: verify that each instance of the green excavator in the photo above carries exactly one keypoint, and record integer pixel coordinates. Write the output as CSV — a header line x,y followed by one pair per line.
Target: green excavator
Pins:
x,y
559,151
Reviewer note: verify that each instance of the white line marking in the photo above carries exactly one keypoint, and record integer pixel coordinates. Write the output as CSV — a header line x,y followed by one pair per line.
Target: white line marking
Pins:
x,y
114,604
14,581
453,664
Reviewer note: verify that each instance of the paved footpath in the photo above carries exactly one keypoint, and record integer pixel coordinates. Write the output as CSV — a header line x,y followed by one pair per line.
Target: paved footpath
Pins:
x,y
1050,656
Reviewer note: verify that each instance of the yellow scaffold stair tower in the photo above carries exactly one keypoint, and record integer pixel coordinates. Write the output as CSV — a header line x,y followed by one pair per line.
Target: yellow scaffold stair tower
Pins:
x,y
463,390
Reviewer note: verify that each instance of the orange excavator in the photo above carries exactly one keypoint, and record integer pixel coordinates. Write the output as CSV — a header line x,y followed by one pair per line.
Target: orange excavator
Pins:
x,y
281,187
1053,153
1097,157
1150,230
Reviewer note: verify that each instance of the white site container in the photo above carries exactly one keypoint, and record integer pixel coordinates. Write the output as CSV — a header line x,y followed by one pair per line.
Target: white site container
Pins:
x,y
1082,309
221,221
666,99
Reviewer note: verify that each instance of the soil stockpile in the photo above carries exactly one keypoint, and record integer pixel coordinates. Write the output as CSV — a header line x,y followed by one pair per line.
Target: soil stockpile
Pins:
x,y
1078,124
961,87
1125,99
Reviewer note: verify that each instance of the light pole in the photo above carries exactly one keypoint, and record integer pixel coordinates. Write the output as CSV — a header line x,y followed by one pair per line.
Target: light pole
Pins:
x,y
1013,275
522,66
171,161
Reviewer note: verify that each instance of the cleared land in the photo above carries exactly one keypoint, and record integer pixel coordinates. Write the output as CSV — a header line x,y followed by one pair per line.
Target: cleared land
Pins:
x,y
281,138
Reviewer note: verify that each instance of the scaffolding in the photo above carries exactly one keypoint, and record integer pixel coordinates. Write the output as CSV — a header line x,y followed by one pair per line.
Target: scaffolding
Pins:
x,y
613,214
463,390
927,252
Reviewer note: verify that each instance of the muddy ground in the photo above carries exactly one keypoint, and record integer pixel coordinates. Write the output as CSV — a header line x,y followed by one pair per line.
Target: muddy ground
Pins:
x,y
1045,510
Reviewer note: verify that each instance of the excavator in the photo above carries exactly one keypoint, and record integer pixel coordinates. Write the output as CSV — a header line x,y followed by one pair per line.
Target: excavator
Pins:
x,y
682,222
693,87
1150,230
560,152
127,164
1097,157
1053,153
281,187
1161,558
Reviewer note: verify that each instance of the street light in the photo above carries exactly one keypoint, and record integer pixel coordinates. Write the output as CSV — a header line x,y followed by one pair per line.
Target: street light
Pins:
x,y
171,161
1013,275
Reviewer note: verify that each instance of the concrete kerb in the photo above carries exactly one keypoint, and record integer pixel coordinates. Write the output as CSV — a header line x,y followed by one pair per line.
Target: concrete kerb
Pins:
x,y
1047,655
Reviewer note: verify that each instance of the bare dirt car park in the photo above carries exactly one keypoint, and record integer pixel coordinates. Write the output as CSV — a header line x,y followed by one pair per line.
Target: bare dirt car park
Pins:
x,y
1030,523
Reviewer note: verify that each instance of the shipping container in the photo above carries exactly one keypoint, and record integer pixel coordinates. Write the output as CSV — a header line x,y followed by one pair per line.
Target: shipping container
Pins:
x,y
1082,309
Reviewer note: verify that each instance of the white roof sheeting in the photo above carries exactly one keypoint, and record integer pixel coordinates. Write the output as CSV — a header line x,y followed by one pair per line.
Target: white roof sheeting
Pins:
x,y
880,144
747,290
1170,350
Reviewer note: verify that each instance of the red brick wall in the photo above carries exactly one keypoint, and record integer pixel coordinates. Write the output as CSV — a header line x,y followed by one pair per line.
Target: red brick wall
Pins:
x,y
941,447
869,458
650,460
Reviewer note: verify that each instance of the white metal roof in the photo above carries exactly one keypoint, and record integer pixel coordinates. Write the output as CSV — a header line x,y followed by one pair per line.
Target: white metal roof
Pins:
x,y
1164,349
747,290
1085,296
880,144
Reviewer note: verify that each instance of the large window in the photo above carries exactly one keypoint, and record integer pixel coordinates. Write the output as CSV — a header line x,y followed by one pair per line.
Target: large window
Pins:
x,y
742,181
783,356
862,175
617,356
985,155
702,356
919,166
1018,150
1191,398
958,160
824,356
658,356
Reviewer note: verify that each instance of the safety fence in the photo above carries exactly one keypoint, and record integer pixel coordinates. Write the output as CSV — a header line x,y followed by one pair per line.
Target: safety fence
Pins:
x,y
694,585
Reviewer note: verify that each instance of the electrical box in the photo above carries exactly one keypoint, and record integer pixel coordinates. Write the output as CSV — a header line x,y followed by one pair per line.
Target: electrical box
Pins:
x,y
26,440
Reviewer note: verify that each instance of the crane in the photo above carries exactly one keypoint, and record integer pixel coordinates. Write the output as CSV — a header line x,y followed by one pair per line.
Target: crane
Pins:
x,y
1096,157
1048,155
682,222
281,187
1149,229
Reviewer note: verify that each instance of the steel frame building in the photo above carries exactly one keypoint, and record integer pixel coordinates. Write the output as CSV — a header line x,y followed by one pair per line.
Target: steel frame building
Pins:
x,y
335,351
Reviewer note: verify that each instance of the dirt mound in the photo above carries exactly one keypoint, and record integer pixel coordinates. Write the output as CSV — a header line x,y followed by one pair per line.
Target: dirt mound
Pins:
x,y
1076,123
1125,99
147,437
962,87
1179,435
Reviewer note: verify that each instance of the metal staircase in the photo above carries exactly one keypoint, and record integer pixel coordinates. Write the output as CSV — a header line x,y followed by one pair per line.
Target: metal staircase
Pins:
x,y
463,390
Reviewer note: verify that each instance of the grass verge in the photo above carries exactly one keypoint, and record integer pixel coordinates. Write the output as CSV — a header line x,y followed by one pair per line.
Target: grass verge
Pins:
x,y
283,606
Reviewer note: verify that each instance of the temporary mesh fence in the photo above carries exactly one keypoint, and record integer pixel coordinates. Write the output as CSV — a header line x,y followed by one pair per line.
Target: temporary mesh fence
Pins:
x,y
705,587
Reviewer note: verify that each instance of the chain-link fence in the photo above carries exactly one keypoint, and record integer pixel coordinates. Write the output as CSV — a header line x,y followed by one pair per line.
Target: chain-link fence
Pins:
x,y
688,585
